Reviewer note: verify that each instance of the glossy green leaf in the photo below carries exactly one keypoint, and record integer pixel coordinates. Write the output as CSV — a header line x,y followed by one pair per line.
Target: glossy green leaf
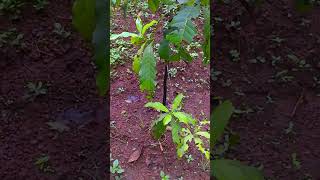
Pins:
x,y
167,119
153,5
157,106
184,118
101,42
204,134
177,101
84,17
137,40
123,35
164,49
207,35
219,120
136,64
224,169
175,132
147,73
147,26
182,27
158,129
184,54
139,25
182,149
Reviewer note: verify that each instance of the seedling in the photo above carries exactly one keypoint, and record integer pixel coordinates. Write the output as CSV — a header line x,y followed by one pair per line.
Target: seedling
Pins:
x,y
290,128
43,164
12,38
11,8
181,125
235,55
164,176
296,163
35,90
59,30
116,169
172,72
189,158
234,25
275,60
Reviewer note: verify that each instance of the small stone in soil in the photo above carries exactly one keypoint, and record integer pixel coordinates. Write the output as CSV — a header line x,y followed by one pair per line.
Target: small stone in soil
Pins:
x,y
132,99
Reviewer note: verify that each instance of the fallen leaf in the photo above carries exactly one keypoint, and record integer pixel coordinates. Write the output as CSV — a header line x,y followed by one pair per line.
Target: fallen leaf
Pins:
x,y
135,155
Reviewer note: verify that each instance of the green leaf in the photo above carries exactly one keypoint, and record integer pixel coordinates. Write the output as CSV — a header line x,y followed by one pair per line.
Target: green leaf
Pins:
x,y
207,35
158,128
136,64
137,40
164,49
101,42
204,134
175,132
147,26
188,2
204,2
147,73
157,106
184,54
177,101
123,35
84,17
303,5
219,120
167,119
139,24
224,169
182,149
153,5
184,118
182,27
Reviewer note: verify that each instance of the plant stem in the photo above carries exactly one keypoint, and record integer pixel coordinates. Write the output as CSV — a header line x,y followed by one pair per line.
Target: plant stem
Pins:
x,y
164,100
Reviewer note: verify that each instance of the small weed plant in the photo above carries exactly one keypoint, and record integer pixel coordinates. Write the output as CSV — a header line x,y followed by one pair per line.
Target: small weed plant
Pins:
x,y
116,169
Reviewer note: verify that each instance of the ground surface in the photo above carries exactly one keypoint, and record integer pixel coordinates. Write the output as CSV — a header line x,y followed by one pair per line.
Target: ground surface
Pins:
x,y
131,121
64,65
268,100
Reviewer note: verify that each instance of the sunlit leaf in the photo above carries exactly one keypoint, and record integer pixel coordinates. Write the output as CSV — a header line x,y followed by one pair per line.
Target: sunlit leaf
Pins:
x,y
147,73
157,106
167,119
177,101
153,5
147,26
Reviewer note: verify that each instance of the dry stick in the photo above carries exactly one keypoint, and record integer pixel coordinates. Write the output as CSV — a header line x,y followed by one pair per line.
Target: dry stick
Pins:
x,y
161,148
297,103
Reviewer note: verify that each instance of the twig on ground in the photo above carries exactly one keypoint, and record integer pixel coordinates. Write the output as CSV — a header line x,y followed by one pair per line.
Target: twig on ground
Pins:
x,y
297,104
